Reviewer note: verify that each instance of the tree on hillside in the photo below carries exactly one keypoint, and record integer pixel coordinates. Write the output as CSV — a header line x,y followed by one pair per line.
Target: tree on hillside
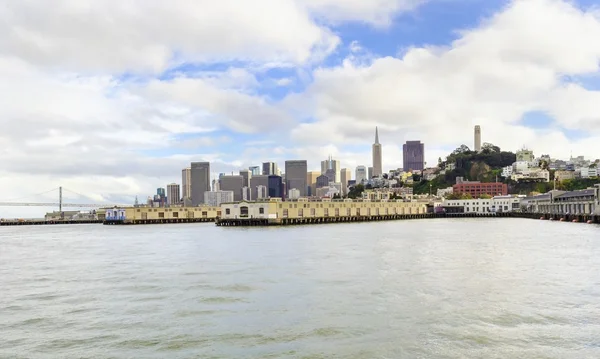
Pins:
x,y
460,150
489,148
459,196
356,191
485,196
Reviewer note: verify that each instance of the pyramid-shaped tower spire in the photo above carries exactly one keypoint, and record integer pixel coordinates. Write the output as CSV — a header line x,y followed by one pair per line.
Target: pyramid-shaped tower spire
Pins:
x,y
376,135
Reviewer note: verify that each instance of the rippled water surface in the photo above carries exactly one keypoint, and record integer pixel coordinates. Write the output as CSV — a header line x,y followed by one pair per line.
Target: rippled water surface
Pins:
x,y
481,288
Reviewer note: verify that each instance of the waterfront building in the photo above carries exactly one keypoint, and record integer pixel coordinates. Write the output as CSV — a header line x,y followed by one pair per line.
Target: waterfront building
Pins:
x,y
141,214
345,177
293,194
477,138
246,174
295,175
331,166
477,189
377,157
497,204
173,194
255,170
275,209
269,168
233,184
585,201
311,181
215,198
361,174
413,156
200,181
186,183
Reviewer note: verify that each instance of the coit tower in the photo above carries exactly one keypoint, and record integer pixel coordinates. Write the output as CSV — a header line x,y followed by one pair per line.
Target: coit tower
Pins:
x,y
477,138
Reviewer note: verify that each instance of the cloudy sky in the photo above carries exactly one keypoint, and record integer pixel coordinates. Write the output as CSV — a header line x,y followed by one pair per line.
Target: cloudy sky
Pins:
x,y
112,98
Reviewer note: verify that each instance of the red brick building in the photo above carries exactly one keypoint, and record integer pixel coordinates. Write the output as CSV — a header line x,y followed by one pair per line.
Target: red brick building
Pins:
x,y
476,189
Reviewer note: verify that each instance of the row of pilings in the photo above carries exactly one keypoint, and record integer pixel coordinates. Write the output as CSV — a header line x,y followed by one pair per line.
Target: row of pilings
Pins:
x,y
42,222
255,222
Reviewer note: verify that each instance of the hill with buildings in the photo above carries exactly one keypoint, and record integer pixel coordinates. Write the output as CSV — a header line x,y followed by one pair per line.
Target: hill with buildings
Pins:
x,y
484,166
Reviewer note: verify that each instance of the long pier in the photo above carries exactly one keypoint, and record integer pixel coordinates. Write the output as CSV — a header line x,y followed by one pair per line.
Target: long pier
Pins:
x,y
158,221
257,222
42,222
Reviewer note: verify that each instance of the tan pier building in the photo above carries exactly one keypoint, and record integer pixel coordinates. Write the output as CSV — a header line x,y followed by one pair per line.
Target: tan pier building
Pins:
x,y
276,212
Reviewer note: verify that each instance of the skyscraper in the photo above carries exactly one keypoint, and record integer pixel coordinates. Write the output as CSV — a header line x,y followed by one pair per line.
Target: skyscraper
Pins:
x,y
255,170
477,138
345,176
331,164
173,197
276,188
370,172
295,175
256,181
269,168
200,181
413,155
186,183
311,182
377,165
247,175
233,184
361,174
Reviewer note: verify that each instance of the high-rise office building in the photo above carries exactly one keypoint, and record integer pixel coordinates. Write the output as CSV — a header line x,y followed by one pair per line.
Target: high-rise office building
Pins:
x,y
200,181
331,175
186,183
262,192
269,168
173,194
377,161
361,174
311,182
276,188
255,170
322,181
295,175
413,156
477,138
370,172
233,184
345,177
247,175
246,194
331,164
257,181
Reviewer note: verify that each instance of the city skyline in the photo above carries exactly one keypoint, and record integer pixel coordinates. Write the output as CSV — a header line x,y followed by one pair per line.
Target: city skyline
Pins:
x,y
314,79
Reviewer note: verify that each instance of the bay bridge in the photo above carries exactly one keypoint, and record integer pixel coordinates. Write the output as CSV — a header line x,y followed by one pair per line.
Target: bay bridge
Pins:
x,y
59,203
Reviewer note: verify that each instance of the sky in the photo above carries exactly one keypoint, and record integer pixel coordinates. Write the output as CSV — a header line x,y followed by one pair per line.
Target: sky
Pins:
x,y
111,99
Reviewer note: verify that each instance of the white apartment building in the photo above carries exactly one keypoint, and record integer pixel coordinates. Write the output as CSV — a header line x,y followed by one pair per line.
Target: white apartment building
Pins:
x,y
507,171
586,172
520,166
215,198
491,205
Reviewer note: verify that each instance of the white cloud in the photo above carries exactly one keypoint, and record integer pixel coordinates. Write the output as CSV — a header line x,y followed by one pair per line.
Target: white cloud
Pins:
x,y
492,76
148,36
375,12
